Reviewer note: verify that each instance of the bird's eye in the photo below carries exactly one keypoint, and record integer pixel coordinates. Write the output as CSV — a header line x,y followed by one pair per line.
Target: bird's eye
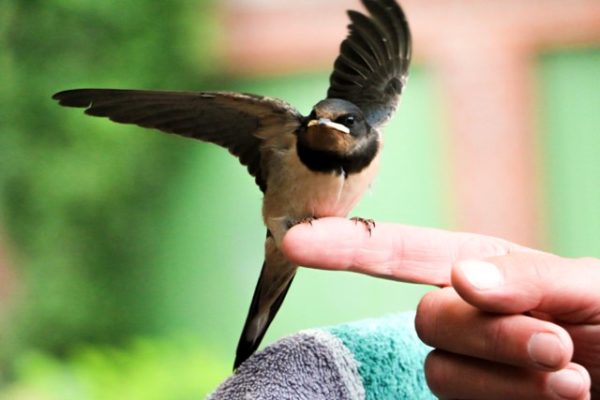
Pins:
x,y
347,120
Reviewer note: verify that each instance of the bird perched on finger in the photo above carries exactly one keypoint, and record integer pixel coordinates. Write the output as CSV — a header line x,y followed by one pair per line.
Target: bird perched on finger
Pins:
x,y
306,166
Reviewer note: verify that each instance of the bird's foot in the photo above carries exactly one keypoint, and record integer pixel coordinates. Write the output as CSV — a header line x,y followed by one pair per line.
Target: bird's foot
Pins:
x,y
305,220
367,222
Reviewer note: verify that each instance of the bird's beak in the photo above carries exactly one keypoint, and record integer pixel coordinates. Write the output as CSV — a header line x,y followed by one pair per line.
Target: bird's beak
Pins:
x,y
329,124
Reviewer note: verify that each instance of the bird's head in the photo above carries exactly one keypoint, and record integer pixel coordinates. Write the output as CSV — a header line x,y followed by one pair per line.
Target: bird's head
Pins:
x,y
336,126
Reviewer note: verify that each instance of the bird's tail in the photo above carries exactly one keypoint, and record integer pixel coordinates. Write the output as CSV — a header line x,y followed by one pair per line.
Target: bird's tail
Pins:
x,y
275,279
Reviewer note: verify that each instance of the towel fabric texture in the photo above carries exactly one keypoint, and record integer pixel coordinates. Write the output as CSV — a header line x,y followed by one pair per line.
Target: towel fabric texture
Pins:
x,y
374,359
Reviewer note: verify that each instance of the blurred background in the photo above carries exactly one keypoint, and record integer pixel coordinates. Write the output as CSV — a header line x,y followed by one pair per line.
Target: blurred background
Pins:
x,y
128,258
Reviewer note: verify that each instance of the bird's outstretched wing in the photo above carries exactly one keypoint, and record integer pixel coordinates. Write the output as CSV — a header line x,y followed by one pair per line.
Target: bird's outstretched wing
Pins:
x,y
372,67
238,122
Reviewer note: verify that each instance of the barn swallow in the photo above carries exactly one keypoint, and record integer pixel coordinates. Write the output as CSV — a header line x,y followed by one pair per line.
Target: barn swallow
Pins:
x,y
307,167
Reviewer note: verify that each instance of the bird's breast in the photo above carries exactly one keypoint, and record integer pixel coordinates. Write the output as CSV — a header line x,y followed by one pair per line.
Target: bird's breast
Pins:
x,y
295,192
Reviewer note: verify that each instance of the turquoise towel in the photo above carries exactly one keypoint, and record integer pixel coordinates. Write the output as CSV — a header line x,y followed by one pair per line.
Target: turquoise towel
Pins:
x,y
372,359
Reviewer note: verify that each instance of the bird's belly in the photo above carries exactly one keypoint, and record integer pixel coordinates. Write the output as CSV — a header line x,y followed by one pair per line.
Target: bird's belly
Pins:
x,y
319,195
297,192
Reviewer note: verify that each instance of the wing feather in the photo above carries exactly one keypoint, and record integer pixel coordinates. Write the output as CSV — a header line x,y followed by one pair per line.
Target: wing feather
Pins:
x,y
372,67
238,122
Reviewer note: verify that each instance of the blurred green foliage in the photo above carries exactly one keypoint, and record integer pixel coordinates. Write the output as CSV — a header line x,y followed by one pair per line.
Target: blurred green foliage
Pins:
x,y
157,369
78,205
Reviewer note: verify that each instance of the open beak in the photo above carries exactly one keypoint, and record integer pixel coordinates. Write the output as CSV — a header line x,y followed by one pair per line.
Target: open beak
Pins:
x,y
329,124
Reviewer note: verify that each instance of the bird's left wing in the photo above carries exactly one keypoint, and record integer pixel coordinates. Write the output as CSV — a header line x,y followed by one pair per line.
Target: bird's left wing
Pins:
x,y
238,122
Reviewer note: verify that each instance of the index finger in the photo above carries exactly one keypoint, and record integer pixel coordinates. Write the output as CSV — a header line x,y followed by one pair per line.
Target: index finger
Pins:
x,y
392,251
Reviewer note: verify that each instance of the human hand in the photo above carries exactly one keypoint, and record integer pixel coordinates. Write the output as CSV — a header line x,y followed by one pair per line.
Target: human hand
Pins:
x,y
516,324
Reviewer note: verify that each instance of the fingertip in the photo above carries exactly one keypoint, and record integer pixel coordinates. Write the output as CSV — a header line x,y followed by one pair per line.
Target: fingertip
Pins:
x,y
477,275
572,382
293,241
315,244
482,284
550,348
527,281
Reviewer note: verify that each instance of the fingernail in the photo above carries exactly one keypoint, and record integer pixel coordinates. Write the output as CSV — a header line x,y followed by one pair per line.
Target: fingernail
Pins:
x,y
546,350
567,383
481,274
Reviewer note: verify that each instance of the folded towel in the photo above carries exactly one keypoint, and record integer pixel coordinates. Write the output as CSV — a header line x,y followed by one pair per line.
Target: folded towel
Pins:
x,y
371,359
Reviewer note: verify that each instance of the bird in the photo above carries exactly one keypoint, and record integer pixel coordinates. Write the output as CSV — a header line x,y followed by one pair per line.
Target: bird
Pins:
x,y
307,167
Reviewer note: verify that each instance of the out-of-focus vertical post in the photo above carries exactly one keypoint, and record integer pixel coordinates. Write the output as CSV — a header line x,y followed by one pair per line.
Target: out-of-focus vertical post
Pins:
x,y
488,92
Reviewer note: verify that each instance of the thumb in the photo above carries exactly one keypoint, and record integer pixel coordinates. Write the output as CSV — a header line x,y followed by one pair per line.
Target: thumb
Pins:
x,y
566,289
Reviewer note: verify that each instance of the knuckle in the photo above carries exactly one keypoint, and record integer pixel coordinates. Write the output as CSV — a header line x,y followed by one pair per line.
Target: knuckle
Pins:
x,y
434,373
482,246
429,311
496,339
424,317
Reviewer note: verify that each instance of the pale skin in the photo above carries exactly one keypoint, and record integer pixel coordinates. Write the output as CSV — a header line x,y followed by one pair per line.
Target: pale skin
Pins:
x,y
509,322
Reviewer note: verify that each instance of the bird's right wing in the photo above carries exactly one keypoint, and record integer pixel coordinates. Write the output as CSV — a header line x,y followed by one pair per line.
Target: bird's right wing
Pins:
x,y
238,122
372,67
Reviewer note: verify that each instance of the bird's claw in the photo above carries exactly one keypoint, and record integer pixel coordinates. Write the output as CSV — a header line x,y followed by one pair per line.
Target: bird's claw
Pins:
x,y
305,220
367,222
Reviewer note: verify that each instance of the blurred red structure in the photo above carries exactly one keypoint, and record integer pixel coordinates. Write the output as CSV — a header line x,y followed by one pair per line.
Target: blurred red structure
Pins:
x,y
482,54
